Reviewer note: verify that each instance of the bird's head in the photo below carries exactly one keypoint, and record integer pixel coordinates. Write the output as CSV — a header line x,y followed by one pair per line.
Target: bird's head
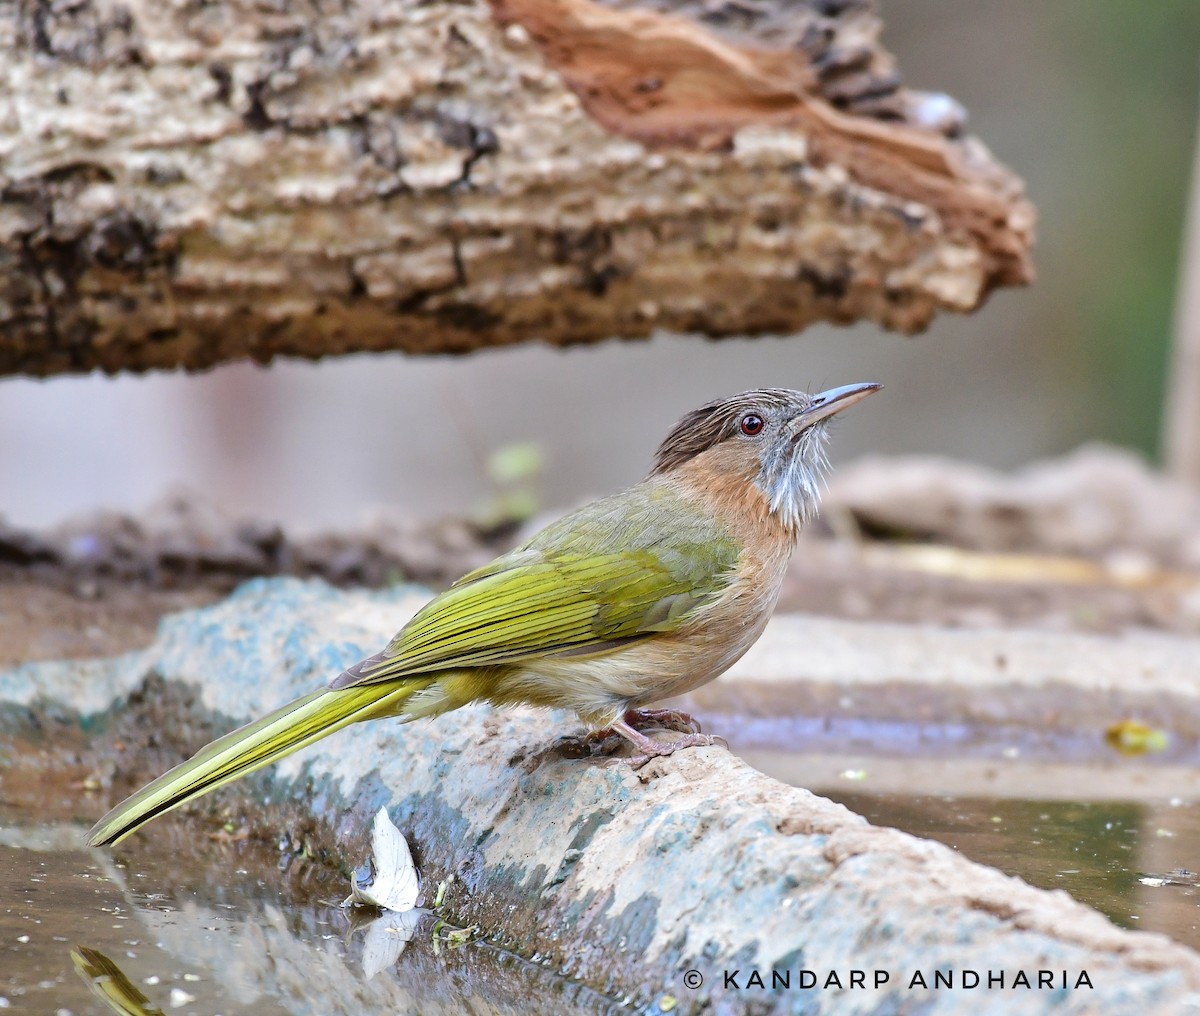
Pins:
x,y
773,438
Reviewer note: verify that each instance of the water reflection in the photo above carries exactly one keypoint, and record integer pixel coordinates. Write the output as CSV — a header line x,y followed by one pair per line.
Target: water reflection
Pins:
x,y
108,982
165,933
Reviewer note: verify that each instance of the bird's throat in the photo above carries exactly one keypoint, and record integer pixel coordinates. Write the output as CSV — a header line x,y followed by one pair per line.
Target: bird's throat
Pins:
x,y
793,475
729,488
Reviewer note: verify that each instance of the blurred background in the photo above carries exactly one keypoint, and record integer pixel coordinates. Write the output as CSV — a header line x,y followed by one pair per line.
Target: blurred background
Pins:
x,y
1094,105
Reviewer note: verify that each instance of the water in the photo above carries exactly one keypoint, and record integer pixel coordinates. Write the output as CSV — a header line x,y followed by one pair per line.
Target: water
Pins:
x,y
1061,812
217,926
182,928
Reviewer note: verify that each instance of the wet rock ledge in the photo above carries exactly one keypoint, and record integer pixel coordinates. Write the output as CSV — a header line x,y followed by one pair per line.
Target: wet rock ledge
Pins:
x,y
629,883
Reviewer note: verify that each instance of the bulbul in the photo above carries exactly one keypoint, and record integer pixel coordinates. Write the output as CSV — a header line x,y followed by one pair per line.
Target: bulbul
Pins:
x,y
633,598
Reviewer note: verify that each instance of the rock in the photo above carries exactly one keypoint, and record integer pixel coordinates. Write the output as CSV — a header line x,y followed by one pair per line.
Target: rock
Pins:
x,y
685,878
1090,502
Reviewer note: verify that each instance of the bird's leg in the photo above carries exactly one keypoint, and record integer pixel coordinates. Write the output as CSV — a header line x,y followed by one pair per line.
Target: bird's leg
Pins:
x,y
662,719
667,719
651,748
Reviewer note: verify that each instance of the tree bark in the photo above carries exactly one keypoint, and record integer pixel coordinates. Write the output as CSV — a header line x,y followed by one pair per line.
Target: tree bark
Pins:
x,y
186,184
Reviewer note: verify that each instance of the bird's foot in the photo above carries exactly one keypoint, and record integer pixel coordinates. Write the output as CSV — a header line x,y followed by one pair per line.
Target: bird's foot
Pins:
x,y
651,748
666,719
594,740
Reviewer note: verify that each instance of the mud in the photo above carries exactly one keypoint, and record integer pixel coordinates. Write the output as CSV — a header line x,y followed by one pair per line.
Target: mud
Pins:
x,y
98,585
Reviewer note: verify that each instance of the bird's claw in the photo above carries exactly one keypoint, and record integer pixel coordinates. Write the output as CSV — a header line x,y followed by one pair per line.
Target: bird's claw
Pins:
x,y
598,741
651,749
597,736
667,719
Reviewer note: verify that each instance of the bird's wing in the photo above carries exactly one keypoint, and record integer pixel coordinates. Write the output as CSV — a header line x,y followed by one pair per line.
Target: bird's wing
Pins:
x,y
533,603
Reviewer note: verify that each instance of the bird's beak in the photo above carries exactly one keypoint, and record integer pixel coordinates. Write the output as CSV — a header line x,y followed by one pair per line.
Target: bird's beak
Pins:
x,y
833,401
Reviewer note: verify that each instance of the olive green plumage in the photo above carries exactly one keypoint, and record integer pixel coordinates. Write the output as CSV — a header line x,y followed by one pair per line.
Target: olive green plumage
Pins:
x,y
629,599
595,578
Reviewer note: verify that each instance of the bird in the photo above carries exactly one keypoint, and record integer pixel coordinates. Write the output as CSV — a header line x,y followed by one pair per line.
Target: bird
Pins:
x,y
628,600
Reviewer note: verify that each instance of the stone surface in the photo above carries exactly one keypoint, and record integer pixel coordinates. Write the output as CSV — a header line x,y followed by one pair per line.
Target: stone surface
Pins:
x,y
1098,500
625,881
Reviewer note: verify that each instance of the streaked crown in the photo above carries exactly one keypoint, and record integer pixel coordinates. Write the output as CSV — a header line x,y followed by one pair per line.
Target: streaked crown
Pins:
x,y
783,433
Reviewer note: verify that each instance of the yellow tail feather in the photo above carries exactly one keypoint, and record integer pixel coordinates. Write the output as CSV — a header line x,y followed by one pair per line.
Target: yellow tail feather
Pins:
x,y
288,729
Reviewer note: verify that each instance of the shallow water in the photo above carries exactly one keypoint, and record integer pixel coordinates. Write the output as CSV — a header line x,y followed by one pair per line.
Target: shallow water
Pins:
x,y
162,931
1117,833
177,926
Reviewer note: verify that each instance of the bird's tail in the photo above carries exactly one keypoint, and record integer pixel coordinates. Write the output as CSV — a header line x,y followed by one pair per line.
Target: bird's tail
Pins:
x,y
253,746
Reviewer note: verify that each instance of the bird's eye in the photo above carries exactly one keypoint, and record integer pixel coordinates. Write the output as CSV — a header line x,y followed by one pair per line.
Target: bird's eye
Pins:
x,y
752,423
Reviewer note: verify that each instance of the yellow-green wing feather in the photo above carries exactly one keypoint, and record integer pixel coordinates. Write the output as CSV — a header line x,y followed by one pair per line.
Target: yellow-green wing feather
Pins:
x,y
250,747
625,567
593,581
